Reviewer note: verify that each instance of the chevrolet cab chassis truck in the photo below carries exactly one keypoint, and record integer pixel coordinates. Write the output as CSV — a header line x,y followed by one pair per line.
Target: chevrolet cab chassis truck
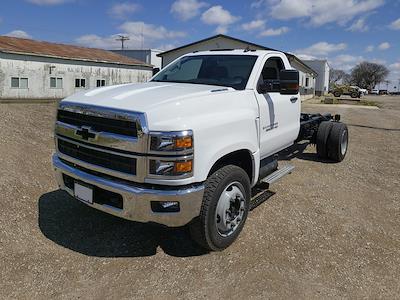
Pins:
x,y
187,147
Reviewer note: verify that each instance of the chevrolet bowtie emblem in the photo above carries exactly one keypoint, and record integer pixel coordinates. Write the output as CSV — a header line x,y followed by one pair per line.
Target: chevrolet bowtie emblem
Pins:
x,y
85,133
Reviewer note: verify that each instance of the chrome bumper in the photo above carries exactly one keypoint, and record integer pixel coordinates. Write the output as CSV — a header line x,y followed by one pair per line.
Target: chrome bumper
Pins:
x,y
137,200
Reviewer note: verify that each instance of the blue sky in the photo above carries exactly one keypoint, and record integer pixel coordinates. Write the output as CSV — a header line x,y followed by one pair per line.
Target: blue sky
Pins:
x,y
343,31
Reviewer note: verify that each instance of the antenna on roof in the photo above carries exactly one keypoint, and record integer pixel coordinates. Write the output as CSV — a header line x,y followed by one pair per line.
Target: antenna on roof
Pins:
x,y
122,39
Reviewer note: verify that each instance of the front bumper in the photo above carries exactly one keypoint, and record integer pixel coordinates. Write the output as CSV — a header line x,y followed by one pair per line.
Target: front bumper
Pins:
x,y
137,200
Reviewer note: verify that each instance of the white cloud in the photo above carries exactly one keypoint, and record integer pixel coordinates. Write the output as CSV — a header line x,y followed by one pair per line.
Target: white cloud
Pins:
x,y
318,12
345,62
139,33
217,15
395,25
359,25
395,66
187,9
95,41
123,9
384,46
274,32
321,49
256,24
369,48
19,34
49,2
149,31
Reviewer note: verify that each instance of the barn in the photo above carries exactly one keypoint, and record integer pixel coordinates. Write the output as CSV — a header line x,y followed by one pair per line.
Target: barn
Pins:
x,y
221,41
32,69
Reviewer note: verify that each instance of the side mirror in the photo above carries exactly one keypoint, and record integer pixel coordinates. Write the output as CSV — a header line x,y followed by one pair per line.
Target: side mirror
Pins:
x,y
289,80
155,71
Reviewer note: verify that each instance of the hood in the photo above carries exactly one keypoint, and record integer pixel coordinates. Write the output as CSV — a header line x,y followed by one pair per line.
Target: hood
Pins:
x,y
145,97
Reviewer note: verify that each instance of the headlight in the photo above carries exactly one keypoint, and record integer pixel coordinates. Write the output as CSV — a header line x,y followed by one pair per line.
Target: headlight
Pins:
x,y
165,167
175,142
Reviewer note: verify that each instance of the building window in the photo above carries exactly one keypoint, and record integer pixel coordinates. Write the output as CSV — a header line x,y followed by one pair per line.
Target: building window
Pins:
x,y
307,81
19,83
100,82
80,83
56,83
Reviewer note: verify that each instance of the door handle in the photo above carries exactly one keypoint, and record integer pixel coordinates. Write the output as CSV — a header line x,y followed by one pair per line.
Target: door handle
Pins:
x,y
294,99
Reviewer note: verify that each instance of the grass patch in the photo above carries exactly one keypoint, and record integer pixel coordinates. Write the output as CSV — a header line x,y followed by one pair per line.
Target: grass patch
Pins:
x,y
369,103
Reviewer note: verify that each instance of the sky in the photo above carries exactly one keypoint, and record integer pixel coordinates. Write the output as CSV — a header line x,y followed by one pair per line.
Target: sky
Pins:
x,y
345,32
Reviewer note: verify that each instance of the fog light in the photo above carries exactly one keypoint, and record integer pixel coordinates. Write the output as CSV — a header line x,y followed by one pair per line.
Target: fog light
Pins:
x,y
165,206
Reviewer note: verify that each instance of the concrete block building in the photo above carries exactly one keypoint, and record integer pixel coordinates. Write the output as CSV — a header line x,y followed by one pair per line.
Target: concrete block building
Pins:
x,y
32,69
307,74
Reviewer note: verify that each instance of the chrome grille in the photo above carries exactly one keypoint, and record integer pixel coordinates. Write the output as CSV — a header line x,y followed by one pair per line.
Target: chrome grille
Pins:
x,y
100,124
97,157
108,141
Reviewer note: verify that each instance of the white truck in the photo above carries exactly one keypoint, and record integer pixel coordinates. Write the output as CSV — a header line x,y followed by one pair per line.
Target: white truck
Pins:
x,y
187,147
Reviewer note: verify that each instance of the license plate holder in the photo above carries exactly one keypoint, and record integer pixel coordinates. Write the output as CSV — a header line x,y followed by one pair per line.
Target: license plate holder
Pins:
x,y
83,192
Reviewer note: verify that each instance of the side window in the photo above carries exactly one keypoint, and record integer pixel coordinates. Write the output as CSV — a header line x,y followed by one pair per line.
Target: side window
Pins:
x,y
272,68
270,73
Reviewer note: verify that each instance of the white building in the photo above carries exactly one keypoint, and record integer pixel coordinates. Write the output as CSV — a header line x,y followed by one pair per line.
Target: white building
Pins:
x,y
40,70
322,81
149,56
221,41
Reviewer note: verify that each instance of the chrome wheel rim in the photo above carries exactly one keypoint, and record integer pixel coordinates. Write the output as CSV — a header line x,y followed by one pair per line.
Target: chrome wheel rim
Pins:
x,y
344,142
230,209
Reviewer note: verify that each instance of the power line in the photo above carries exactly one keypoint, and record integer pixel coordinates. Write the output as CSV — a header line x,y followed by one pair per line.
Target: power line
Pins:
x,y
122,39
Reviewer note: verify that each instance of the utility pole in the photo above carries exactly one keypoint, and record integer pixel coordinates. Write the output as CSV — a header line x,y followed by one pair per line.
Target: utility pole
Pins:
x,y
122,39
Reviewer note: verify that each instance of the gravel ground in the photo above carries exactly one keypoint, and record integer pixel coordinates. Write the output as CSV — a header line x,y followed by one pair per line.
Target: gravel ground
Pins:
x,y
329,230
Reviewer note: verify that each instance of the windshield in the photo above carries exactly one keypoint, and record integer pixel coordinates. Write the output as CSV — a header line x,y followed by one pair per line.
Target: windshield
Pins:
x,y
224,70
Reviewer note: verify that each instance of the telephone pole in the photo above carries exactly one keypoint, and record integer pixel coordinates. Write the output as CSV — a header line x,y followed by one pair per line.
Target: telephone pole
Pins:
x,y
122,39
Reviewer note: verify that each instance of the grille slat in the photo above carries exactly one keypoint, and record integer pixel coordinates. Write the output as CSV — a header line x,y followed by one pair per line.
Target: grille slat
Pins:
x,y
101,124
103,159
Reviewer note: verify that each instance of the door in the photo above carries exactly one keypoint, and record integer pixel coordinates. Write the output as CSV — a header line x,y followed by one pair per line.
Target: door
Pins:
x,y
279,114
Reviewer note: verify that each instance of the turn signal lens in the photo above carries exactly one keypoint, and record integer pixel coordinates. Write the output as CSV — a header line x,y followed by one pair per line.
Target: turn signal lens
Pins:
x,y
170,168
183,167
183,142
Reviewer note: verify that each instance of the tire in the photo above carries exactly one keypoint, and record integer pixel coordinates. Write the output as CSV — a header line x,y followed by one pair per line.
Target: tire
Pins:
x,y
338,141
354,95
337,94
206,230
323,132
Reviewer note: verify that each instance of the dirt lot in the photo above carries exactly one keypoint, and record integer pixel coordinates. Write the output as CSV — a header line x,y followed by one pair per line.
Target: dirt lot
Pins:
x,y
330,230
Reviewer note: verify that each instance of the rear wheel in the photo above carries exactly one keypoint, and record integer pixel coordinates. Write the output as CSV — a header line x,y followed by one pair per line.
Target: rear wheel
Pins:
x,y
224,209
337,94
323,132
337,143
354,95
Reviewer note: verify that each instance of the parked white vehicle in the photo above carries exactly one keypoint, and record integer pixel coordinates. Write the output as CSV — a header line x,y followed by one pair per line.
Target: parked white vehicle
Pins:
x,y
188,146
375,92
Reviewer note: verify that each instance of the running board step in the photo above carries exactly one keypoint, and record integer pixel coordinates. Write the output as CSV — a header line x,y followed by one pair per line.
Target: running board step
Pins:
x,y
278,174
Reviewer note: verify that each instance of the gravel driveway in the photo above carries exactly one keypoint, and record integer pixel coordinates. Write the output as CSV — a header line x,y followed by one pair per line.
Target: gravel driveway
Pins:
x,y
328,230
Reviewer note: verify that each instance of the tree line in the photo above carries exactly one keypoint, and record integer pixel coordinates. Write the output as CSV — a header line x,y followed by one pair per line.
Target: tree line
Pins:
x,y
365,75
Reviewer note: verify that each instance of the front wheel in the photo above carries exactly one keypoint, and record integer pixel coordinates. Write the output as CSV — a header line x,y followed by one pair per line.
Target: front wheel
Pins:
x,y
224,209
354,95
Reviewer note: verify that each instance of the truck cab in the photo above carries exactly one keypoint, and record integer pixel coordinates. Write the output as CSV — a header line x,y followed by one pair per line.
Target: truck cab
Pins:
x,y
187,147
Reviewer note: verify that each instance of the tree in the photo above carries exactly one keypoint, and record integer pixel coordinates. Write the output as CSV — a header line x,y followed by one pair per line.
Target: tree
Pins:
x,y
367,75
336,76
